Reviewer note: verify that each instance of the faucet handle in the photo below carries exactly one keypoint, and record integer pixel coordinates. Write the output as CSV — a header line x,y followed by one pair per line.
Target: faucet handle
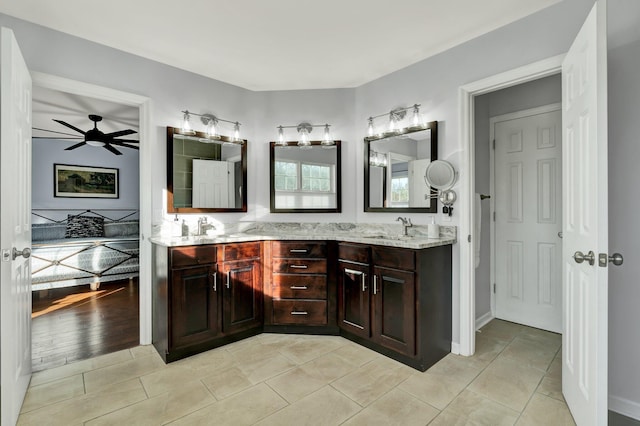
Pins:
x,y
408,219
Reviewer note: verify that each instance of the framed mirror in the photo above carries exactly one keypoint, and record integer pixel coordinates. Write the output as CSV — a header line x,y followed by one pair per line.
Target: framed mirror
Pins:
x,y
205,175
394,171
305,180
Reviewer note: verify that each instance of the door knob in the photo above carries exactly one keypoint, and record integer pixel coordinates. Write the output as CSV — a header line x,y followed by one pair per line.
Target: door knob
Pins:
x,y
560,234
580,257
26,253
616,259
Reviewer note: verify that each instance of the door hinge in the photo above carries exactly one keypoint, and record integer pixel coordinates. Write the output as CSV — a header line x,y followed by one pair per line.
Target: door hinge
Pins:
x,y
494,144
469,238
494,288
494,216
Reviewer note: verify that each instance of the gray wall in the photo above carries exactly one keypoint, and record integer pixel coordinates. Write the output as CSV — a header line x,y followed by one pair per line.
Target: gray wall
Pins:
x,y
433,82
624,202
536,93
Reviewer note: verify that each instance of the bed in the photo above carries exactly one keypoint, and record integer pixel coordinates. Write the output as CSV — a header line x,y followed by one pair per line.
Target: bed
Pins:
x,y
83,248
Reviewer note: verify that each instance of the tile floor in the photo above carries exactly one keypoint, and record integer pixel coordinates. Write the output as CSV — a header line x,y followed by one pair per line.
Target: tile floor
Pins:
x,y
272,379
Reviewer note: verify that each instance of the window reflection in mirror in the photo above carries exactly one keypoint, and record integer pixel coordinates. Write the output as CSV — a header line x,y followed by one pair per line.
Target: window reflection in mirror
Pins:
x,y
204,175
305,180
395,168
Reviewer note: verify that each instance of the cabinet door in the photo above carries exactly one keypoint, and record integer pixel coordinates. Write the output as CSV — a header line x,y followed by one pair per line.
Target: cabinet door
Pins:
x,y
354,299
241,295
394,304
194,306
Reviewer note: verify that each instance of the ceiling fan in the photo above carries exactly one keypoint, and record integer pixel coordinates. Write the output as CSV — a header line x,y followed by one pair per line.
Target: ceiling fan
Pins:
x,y
95,137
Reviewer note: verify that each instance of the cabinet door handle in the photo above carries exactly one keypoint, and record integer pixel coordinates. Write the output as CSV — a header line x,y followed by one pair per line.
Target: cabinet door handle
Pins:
x,y
228,279
215,281
298,251
298,266
375,284
299,313
298,287
364,284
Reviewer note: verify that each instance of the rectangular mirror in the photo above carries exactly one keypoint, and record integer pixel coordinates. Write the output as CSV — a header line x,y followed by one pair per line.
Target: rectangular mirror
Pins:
x,y
205,175
305,180
394,171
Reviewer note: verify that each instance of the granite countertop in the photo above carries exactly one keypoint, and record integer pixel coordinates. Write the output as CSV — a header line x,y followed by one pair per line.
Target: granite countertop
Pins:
x,y
383,235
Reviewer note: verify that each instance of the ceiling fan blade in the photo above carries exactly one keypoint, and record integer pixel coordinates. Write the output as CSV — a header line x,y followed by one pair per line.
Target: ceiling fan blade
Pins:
x,y
112,149
70,126
53,131
120,133
118,143
53,137
78,145
127,140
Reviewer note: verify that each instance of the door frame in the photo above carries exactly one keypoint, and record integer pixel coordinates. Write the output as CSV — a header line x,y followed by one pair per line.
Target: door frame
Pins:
x,y
466,95
492,181
143,103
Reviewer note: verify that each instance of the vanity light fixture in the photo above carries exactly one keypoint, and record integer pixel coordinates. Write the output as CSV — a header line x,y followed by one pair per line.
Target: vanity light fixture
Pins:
x,y
304,129
396,116
211,123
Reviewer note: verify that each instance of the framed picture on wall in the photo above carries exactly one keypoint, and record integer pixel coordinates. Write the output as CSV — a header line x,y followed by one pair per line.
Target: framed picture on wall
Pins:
x,y
85,181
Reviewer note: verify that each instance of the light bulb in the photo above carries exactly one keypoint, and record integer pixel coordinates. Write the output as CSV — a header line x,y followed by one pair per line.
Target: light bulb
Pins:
x,y
370,127
303,141
326,139
236,132
392,122
211,129
281,136
186,127
417,121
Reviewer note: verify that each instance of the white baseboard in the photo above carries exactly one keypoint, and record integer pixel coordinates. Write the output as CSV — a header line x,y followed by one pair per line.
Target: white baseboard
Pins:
x,y
483,320
624,406
455,348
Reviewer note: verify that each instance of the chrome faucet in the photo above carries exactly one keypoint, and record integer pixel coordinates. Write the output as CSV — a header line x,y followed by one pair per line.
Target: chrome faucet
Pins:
x,y
204,226
406,223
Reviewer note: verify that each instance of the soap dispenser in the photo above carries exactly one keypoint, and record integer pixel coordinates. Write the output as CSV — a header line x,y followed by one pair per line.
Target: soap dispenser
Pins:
x,y
433,229
185,229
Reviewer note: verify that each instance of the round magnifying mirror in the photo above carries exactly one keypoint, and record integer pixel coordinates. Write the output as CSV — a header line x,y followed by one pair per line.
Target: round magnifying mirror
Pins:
x,y
440,175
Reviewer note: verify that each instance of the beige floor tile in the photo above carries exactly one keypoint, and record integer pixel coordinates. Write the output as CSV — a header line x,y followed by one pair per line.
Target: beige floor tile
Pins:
x,y
164,379
549,340
372,380
142,350
488,348
328,368
253,353
180,401
471,408
543,410
80,367
323,407
555,369
208,362
95,380
244,408
551,387
309,349
355,354
508,383
395,408
295,384
261,369
52,392
503,330
530,353
86,407
433,389
227,382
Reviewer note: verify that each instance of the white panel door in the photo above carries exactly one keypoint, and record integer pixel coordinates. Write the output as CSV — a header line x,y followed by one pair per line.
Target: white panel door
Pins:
x,y
585,216
528,186
15,226
210,184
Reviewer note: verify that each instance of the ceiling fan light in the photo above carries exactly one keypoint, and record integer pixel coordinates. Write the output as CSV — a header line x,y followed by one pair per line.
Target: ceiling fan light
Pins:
x,y
95,143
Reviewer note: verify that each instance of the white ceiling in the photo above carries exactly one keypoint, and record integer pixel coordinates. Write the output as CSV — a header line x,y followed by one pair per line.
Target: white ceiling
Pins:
x,y
278,44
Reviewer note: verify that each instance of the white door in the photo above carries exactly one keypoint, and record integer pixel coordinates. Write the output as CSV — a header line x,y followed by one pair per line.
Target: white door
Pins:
x,y
585,215
210,184
528,212
15,226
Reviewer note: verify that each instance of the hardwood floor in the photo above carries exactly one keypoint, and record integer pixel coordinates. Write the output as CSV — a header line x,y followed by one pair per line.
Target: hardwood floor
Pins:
x,y
74,323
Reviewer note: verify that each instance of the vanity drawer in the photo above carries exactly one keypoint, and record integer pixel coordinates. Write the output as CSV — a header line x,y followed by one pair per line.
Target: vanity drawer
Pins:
x,y
308,312
192,256
299,286
299,266
396,258
298,249
354,253
241,251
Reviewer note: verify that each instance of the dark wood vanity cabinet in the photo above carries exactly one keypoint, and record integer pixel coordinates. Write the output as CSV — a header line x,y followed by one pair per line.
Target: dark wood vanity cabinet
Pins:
x,y
299,286
205,296
396,301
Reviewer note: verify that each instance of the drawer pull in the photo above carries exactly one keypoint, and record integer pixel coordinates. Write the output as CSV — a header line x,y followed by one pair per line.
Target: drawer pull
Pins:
x,y
299,313
228,279
215,281
364,283
298,251
375,284
298,266
298,287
